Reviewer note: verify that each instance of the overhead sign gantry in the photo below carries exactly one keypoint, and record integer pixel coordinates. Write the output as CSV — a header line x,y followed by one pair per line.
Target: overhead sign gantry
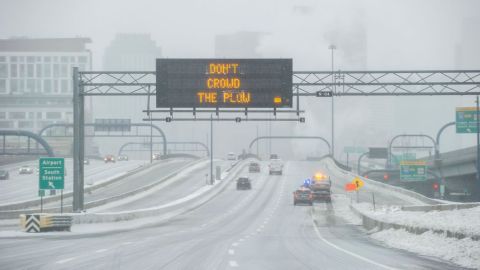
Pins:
x,y
224,83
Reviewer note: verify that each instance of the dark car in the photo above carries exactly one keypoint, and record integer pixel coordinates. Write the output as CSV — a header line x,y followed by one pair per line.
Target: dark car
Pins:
x,y
254,167
4,175
302,196
244,183
122,158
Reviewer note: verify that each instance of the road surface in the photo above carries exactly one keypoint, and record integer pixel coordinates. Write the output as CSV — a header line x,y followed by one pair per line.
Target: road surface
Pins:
x,y
255,229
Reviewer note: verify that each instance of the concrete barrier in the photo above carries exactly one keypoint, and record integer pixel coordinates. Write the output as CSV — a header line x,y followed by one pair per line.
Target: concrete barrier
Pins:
x,y
171,209
371,223
439,207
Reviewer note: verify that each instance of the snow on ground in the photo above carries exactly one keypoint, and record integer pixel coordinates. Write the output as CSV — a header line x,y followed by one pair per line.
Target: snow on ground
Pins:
x,y
464,252
466,221
341,205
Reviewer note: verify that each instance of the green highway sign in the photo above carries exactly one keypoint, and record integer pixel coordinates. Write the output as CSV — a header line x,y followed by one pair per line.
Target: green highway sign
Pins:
x,y
466,119
51,173
413,170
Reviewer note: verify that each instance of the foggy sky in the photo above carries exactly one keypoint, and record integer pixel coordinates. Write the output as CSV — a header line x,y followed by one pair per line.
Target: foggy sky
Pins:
x,y
401,35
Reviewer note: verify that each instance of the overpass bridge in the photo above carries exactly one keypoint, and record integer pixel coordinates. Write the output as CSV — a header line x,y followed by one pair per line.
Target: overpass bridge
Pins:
x,y
457,168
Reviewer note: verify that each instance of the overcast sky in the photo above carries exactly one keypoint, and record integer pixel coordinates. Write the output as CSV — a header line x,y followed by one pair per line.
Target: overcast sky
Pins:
x,y
407,34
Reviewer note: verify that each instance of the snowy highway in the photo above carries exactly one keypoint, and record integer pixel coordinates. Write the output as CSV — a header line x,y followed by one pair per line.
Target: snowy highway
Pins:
x,y
255,229
21,187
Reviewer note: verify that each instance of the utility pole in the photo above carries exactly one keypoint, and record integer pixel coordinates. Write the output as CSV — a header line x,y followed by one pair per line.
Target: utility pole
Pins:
x,y
332,48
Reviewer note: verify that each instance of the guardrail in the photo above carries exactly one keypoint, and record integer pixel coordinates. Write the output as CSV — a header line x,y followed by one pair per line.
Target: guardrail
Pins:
x,y
91,204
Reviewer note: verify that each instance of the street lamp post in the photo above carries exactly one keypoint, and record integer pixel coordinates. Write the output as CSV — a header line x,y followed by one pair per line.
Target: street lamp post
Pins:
x,y
332,48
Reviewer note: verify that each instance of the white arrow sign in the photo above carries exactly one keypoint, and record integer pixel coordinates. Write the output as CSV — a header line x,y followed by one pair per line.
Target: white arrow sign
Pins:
x,y
50,184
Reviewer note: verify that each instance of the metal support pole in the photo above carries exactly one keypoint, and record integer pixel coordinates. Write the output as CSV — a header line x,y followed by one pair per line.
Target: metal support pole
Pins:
x,y
77,144
373,200
151,127
211,149
61,201
359,160
478,149
81,156
332,47
257,143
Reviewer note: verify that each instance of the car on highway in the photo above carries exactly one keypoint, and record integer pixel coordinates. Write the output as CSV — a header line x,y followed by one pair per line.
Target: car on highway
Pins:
x,y
275,167
25,170
109,158
244,183
156,156
302,196
253,167
86,161
231,156
122,158
4,175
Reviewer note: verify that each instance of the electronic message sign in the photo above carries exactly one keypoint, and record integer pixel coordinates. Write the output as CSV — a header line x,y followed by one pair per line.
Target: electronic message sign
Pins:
x,y
224,83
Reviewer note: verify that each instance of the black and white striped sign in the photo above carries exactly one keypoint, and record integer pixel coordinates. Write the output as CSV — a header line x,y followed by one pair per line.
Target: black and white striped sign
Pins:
x,y
33,223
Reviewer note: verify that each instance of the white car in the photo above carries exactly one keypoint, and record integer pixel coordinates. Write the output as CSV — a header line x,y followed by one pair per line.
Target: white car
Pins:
x,y
25,170
275,167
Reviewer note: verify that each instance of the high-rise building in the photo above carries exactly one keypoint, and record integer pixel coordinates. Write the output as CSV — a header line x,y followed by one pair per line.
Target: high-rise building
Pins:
x,y
126,52
135,52
36,81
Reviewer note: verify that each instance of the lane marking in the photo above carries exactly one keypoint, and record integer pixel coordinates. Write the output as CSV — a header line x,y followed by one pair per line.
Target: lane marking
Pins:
x,y
101,250
231,251
65,260
233,263
235,244
317,232
127,243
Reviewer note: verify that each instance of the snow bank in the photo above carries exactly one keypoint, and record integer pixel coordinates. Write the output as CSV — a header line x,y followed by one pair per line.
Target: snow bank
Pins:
x,y
461,222
464,252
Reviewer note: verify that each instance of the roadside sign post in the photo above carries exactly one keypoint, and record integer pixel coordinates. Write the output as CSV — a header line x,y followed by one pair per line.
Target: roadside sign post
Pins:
x,y
51,177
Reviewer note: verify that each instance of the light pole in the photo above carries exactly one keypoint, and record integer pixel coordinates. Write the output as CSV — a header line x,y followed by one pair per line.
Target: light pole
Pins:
x,y
478,146
332,48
